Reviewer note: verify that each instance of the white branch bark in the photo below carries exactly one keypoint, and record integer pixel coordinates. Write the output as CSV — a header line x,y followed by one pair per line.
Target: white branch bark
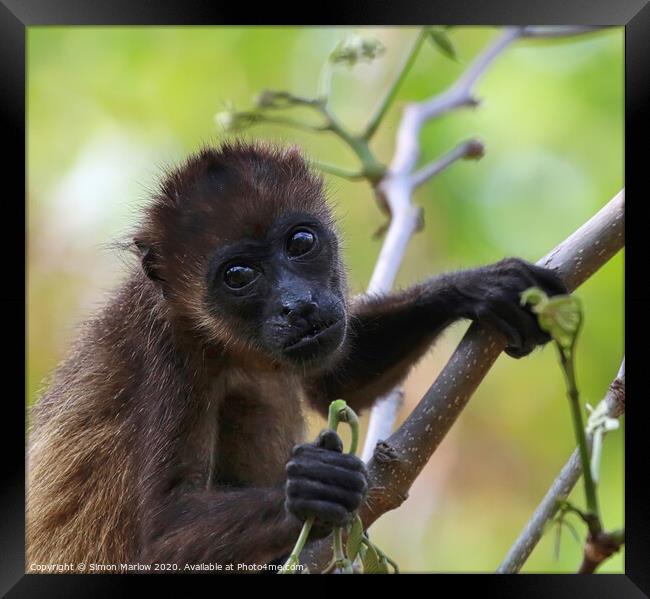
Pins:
x,y
397,186
554,31
396,189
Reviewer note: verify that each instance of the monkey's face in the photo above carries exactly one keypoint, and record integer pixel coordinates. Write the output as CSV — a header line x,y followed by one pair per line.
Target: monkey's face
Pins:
x,y
283,292
241,242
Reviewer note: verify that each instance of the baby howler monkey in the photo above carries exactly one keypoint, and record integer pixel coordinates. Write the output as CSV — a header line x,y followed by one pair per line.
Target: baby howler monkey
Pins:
x,y
173,431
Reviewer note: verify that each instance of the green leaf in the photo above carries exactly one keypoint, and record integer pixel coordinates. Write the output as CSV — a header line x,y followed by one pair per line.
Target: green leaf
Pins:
x,y
535,297
561,318
560,315
356,48
354,538
362,552
441,40
371,561
383,565
548,526
558,541
572,530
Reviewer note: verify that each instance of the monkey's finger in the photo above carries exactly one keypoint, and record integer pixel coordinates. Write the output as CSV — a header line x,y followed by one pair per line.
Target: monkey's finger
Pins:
x,y
516,352
527,327
305,488
325,512
548,280
329,439
531,333
325,456
354,481
526,322
490,317
345,482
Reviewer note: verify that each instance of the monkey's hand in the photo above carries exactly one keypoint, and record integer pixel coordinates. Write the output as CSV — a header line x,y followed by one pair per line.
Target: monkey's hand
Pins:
x,y
324,483
491,295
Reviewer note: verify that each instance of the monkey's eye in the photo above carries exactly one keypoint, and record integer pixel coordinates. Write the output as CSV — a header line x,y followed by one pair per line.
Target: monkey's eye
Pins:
x,y
300,242
239,275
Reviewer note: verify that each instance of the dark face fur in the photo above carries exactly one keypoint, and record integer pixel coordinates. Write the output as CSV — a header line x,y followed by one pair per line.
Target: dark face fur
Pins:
x,y
278,289
243,245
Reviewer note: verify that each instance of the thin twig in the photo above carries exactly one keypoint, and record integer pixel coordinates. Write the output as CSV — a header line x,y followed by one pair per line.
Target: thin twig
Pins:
x,y
384,105
339,171
467,149
614,405
554,31
599,548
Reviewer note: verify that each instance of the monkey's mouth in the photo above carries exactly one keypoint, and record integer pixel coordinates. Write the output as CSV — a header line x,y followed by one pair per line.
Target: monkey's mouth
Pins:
x,y
320,337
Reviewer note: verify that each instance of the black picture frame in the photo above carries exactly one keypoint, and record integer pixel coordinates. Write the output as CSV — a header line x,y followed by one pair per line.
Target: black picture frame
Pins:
x,y
634,15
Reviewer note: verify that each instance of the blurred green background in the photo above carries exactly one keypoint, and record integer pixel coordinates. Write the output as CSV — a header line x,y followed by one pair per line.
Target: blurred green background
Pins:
x,y
109,108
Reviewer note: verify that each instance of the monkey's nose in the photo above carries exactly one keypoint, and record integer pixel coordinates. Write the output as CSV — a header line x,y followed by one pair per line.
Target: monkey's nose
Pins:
x,y
299,309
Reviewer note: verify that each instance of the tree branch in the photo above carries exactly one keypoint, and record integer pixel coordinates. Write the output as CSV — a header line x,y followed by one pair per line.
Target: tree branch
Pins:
x,y
460,93
397,462
531,32
384,105
339,171
613,404
467,149
394,194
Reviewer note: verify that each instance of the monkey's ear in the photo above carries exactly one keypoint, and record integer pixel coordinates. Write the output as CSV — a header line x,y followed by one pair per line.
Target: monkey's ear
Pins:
x,y
148,261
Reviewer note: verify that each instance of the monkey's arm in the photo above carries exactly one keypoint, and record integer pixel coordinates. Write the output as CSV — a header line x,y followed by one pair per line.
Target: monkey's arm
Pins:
x,y
248,526
389,333
254,525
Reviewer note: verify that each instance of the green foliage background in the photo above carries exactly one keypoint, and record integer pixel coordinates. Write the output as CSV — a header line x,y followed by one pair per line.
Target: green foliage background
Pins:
x,y
108,108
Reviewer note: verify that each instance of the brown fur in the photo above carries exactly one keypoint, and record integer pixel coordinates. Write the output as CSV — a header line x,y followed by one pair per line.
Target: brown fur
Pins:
x,y
164,434
149,400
